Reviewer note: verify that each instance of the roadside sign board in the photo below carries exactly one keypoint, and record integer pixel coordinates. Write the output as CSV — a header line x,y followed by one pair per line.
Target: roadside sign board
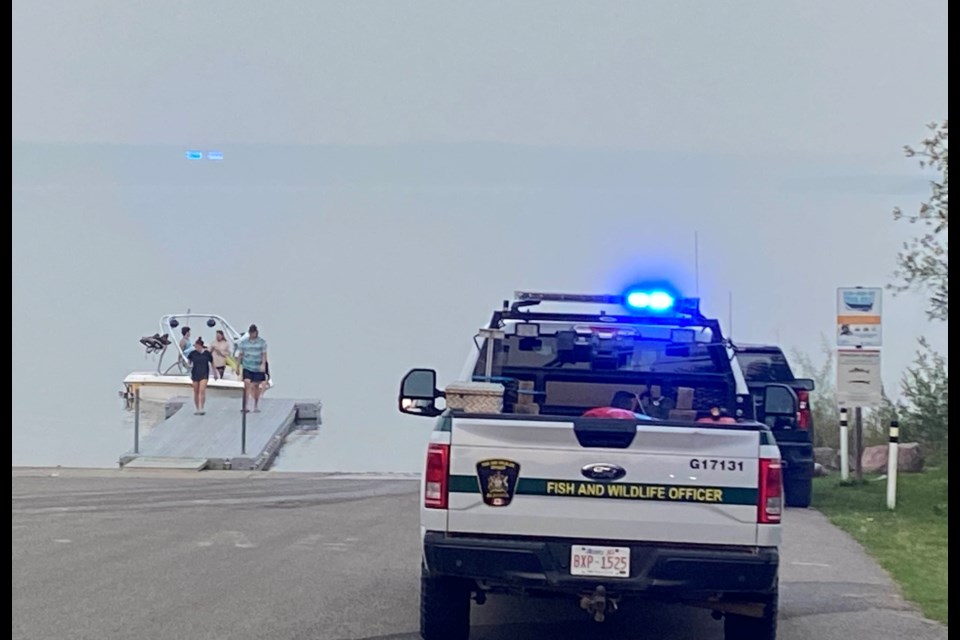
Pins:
x,y
858,316
858,378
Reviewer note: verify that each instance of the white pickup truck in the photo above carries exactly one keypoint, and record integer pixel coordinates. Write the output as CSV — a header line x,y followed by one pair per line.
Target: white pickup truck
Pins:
x,y
608,455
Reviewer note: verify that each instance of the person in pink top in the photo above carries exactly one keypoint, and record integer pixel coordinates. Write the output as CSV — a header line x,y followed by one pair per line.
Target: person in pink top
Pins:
x,y
220,349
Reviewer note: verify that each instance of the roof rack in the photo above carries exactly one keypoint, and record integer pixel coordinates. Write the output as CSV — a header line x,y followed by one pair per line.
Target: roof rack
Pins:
x,y
684,312
680,306
568,297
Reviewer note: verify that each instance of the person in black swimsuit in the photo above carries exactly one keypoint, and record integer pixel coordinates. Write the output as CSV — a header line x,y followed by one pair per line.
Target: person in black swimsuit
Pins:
x,y
202,364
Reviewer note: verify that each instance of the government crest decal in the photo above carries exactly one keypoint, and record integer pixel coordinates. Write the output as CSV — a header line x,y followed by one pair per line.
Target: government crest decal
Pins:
x,y
498,481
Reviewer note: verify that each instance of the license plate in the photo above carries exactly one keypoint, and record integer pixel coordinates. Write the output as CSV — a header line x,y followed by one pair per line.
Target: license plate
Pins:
x,y
607,562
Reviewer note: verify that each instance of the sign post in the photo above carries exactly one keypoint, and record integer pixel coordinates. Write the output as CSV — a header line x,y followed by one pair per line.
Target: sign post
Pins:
x,y
858,442
859,383
844,446
892,464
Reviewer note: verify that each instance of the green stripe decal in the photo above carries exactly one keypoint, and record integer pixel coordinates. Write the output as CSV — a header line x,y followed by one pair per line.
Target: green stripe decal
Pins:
x,y
618,490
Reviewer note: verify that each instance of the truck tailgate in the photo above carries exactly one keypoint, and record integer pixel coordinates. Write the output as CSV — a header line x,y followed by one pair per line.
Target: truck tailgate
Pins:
x,y
677,484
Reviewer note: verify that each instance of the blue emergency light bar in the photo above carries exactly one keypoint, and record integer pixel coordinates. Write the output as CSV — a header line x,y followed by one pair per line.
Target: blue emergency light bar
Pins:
x,y
652,300
639,300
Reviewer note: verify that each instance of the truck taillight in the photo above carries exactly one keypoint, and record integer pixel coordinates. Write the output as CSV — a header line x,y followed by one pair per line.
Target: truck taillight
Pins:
x,y
770,503
803,411
435,476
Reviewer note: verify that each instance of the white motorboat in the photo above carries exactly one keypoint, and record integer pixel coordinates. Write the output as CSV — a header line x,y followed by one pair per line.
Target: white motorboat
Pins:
x,y
171,378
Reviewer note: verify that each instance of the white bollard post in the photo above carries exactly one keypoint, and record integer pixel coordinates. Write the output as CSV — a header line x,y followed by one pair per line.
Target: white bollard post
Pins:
x,y
892,465
844,447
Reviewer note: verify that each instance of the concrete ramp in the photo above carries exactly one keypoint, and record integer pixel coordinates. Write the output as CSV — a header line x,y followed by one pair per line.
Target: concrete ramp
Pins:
x,y
185,438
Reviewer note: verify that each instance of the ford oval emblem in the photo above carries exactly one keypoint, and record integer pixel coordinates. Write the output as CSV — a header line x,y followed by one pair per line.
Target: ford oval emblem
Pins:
x,y
603,471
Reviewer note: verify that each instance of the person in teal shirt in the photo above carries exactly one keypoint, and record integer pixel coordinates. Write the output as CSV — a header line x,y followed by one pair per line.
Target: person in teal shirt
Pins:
x,y
252,353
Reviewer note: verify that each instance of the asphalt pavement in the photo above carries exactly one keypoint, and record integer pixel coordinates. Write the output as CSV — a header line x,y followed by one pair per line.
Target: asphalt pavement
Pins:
x,y
252,556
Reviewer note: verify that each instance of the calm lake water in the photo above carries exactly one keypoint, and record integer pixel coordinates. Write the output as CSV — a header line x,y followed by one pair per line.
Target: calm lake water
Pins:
x,y
350,449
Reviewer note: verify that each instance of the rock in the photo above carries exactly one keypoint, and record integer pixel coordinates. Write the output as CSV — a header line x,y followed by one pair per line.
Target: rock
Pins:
x,y
851,461
819,470
874,459
909,458
826,456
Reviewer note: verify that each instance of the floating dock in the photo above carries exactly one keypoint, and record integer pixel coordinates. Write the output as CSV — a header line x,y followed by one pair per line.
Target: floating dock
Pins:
x,y
216,439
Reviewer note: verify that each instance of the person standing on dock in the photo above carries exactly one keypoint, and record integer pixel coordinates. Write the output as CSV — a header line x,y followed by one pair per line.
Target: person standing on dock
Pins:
x,y
202,361
253,359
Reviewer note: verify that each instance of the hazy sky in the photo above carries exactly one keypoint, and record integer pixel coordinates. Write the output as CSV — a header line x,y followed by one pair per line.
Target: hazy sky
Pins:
x,y
393,170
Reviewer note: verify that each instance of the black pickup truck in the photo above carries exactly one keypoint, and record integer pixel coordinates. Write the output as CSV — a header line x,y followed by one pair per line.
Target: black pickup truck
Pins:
x,y
766,364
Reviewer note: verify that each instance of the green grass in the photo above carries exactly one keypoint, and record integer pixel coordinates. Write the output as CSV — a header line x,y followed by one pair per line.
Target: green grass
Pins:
x,y
910,542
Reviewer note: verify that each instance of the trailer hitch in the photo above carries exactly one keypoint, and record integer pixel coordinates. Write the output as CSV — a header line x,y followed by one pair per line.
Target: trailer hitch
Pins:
x,y
598,604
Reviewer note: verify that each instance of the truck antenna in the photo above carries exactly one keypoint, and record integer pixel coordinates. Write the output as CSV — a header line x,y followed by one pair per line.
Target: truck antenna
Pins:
x,y
696,264
730,315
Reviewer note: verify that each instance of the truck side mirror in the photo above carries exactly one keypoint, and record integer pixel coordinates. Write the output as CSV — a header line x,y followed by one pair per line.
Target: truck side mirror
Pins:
x,y
418,393
779,400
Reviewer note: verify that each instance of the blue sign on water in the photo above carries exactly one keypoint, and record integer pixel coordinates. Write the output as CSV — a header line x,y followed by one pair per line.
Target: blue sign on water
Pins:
x,y
215,155
194,155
